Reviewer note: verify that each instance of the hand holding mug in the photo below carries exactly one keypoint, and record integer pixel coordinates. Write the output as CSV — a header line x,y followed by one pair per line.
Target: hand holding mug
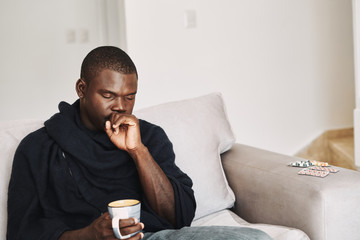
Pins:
x,y
125,216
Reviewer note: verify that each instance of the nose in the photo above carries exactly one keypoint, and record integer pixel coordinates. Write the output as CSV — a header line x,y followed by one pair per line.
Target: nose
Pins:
x,y
119,105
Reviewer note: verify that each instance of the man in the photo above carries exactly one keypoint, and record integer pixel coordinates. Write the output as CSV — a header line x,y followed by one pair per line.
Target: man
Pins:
x,y
94,152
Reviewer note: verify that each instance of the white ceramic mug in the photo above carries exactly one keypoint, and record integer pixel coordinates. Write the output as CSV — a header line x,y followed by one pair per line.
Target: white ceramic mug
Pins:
x,y
123,209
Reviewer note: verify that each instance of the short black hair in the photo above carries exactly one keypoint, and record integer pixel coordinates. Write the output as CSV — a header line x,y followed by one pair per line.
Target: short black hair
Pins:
x,y
106,57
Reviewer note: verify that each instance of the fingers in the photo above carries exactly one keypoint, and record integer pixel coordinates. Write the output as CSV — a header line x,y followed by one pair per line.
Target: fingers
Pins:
x,y
128,222
101,228
132,229
118,120
105,216
124,131
108,128
138,236
130,226
103,222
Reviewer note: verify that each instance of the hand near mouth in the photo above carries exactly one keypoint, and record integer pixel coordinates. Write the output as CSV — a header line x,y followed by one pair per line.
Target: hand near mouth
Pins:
x,y
123,131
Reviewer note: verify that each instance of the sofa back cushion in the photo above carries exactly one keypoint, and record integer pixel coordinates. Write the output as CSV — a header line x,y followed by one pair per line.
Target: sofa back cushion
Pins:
x,y
200,131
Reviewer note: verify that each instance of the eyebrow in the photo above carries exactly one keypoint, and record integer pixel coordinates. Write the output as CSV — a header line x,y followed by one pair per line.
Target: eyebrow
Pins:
x,y
114,93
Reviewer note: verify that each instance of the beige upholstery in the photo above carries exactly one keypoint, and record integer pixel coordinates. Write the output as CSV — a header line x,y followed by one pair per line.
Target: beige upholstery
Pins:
x,y
229,218
268,191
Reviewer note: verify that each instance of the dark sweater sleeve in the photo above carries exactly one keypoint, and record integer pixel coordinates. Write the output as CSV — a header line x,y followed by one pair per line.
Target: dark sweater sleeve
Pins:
x,y
25,216
162,151
185,204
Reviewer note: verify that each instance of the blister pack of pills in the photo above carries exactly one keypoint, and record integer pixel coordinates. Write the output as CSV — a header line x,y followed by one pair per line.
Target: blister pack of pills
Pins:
x,y
329,169
312,172
303,164
319,164
314,168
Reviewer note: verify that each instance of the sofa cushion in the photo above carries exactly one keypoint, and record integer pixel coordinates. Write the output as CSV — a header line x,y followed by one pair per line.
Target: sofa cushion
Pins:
x,y
199,130
11,133
228,218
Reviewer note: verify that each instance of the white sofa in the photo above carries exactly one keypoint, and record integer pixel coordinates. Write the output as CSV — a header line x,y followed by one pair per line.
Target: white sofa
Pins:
x,y
234,184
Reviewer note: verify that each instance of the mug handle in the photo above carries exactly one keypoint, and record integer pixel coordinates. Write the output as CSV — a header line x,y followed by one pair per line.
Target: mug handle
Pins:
x,y
116,229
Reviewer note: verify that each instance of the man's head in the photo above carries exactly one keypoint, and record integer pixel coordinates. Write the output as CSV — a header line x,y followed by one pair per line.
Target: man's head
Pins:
x,y
107,85
106,57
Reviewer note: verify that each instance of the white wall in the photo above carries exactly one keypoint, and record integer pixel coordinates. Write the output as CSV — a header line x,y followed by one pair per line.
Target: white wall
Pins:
x,y
356,25
39,62
285,67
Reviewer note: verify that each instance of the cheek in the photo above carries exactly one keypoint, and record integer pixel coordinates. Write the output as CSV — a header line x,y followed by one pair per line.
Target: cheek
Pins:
x,y
131,107
103,109
99,108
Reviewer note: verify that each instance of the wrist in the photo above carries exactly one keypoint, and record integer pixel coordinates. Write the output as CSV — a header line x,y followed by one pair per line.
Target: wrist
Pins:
x,y
138,151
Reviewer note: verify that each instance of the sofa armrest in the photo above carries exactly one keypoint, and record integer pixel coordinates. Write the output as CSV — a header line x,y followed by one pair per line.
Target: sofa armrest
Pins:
x,y
269,191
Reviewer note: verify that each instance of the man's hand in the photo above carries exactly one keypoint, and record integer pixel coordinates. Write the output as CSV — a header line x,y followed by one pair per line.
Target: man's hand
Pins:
x,y
124,131
101,228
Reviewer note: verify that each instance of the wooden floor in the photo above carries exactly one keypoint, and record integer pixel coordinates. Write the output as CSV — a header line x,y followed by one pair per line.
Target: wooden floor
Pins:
x,y
335,147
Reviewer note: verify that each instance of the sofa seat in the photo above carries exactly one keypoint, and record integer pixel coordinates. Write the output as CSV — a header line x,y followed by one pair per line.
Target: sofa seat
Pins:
x,y
229,218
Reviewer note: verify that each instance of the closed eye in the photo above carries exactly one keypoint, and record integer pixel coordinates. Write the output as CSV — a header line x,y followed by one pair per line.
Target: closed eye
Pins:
x,y
130,97
107,95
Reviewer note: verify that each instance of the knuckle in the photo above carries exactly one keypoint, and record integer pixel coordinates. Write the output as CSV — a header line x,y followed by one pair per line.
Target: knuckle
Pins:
x,y
103,223
125,231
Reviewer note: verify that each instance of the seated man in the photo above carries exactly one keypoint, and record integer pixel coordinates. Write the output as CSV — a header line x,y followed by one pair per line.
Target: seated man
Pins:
x,y
94,152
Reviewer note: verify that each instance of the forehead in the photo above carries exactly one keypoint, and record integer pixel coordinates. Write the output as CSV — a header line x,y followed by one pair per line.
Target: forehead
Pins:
x,y
114,81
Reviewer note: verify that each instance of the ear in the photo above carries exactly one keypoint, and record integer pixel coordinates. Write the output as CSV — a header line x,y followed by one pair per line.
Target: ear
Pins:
x,y
81,88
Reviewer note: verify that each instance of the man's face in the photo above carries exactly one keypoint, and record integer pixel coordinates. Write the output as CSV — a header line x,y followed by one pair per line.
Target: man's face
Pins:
x,y
109,92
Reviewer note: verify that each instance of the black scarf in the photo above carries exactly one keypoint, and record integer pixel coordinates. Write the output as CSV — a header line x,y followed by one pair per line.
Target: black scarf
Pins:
x,y
98,167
